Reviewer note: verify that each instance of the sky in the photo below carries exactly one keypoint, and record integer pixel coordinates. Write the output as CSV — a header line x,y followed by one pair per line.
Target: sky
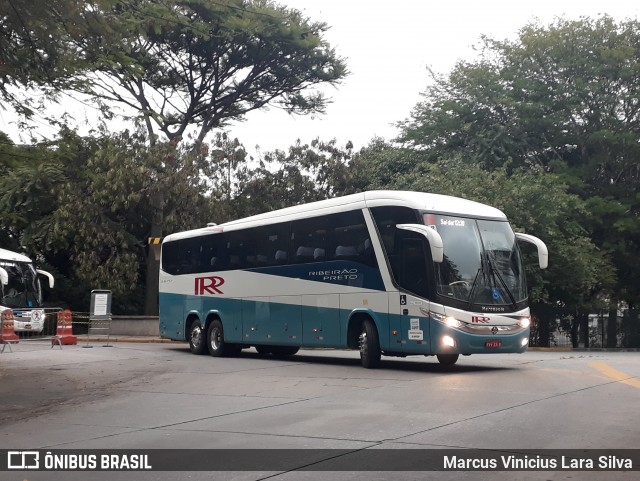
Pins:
x,y
388,46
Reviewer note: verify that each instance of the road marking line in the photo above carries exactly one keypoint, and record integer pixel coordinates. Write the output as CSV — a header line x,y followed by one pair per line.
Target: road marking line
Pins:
x,y
614,374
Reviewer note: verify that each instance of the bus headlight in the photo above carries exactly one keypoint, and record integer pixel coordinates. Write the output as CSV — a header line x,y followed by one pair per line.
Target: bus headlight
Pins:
x,y
524,322
453,322
448,320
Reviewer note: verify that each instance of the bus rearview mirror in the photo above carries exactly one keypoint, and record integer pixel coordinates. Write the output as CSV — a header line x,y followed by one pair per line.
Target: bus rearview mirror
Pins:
x,y
48,276
435,241
543,253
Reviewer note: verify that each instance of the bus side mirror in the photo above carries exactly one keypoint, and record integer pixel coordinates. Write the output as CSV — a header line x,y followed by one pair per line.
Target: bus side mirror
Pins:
x,y
435,241
543,253
4,277
48,276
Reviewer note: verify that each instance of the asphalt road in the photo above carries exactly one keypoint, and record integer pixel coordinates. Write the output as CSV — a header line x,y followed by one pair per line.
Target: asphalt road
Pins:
x,y
149,396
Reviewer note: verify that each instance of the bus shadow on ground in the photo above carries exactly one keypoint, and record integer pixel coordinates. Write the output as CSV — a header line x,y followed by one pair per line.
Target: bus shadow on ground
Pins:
x,y
427,364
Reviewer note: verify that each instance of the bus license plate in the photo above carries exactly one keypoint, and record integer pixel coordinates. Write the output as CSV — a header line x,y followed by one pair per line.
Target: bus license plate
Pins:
x,y
493,344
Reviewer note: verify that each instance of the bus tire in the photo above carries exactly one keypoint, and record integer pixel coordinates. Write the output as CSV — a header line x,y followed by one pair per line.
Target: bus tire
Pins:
x,y
369,345
284,351
215,339
447,359
197,341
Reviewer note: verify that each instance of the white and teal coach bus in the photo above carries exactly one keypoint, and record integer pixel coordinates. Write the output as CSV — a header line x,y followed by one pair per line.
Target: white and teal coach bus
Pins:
x,y
384,272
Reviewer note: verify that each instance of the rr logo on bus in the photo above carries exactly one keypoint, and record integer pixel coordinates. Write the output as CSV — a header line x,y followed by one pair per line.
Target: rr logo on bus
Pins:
x,y
482,319
208,285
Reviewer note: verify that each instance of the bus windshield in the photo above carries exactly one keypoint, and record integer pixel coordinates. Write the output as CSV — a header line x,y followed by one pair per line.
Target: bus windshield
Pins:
x,y
482,263
23,288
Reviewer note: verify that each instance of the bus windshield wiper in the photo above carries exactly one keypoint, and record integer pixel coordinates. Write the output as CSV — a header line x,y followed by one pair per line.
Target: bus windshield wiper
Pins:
x,y
496,275
473,286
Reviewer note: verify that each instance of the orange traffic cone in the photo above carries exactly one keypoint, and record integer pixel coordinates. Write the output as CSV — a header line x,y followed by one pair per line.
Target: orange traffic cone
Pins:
x,y
7,334
64,332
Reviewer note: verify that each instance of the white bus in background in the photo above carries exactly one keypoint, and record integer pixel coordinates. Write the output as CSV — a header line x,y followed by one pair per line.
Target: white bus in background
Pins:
x,y
21,291
384,272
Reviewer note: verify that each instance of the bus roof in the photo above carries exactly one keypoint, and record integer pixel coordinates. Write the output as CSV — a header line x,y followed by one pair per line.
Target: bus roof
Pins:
x,y
13,256
437,203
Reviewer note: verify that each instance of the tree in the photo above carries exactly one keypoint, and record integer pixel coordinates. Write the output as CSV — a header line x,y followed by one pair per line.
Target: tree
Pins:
x,y
180,68
38,40
103,216
178,64
303,173
563,98
80,206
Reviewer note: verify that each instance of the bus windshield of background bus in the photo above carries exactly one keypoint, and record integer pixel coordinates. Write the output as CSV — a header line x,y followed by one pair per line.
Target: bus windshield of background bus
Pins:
x,y
23,289
482,263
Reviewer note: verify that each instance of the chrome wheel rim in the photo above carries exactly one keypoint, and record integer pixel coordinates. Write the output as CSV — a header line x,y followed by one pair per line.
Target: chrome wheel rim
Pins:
x,y
196,336
363,343
216,339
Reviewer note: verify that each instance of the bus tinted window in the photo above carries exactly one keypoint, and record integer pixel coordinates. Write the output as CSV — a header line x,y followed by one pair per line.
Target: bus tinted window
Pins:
x,y
170,255
214,253
272,244
334,237
350,238
181,257
405,250
386,219
309,240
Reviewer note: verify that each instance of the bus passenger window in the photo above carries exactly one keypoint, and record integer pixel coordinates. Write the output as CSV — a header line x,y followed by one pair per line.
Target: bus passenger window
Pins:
x,y
350,238
308,239
271,243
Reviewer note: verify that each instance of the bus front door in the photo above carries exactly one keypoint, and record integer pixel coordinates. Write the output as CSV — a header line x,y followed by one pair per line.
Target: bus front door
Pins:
x,y
414,325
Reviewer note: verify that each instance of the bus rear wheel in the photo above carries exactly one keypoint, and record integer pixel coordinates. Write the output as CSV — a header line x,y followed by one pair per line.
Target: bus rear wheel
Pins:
x,y
197,342
369,345
447,359
215,337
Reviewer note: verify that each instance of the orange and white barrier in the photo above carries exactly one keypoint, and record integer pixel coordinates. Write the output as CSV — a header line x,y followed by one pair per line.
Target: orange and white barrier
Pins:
x,y
64,332
8,335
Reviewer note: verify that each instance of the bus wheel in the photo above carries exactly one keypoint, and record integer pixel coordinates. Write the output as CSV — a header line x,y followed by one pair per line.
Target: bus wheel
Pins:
x,y
369,345
215,337
284,351
447,359
197,342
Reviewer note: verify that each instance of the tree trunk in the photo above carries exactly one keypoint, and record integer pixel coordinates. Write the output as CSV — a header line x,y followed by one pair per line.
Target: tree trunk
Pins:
x,y
153,264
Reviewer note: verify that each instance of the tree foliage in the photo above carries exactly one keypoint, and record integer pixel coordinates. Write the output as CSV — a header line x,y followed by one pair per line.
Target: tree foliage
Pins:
x,y
39,54
81,205
304,173
563,98
177,64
